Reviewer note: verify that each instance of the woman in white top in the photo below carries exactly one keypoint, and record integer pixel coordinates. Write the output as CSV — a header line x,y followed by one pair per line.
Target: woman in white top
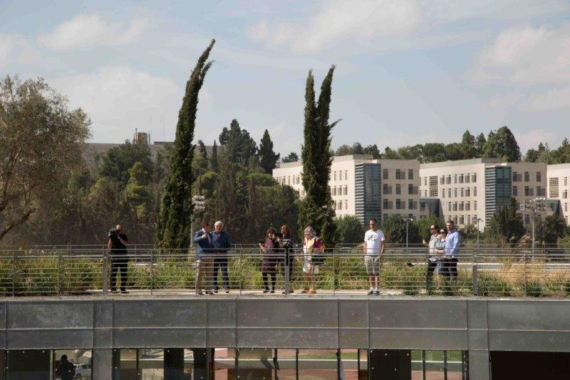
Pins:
x,y
311,245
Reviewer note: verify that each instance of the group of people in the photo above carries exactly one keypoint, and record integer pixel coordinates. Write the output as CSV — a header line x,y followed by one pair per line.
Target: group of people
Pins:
x,y
213,253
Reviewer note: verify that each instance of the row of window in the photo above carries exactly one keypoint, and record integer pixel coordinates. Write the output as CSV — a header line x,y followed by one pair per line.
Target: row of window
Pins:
x,y
387,189
338,205
529,191
457,178
289,180
399,174
463,192
461,206
463,219
340,175
399,204
340,190
517,177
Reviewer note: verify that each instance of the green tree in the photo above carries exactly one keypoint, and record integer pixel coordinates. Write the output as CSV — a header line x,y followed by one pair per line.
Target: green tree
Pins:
x,y
349,230
173,230
480,143
425,223
291,157
394,229
502,144
316,208
117,162
554,229
139,200
214,160
268,158
40,146
202,150
506,225
390,154
532,155
238,143
373,150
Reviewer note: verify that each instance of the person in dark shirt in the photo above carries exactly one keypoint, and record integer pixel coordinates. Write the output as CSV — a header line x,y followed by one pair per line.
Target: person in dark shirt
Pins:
x,y
270,260
66,369
117,244
287,245
204,260
222,249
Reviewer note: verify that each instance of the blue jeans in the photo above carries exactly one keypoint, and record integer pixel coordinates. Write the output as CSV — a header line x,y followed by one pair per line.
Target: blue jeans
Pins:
x,y
221,263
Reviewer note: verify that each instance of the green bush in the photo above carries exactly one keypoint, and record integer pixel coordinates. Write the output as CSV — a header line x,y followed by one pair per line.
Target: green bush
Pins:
x,y
493,285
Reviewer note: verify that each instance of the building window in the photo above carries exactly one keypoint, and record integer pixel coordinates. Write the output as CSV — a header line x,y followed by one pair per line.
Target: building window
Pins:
x,y
346,175
515,177
538,177
460,178
448,181
410,204
554,189
462,193
565,194
384,173
540,192
345,190
467,206
334,190
461,219
467,178
398,188
565,206
565,181
454,206
334,206
474,205
455,192
410,174
449,206
442,180
346,204
340,205
386,189
443,193
526,176
461,206
449,193
474,191
467,191
474,177
515,191
455,178
526,219
335,176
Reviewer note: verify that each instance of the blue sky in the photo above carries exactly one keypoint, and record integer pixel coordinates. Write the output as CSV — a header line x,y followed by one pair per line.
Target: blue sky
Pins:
x,y
408,71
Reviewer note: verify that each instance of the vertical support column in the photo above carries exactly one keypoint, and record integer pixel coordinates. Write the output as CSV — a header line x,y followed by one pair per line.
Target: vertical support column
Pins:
x,y
390,364
103,363
479,368
174,364
200,363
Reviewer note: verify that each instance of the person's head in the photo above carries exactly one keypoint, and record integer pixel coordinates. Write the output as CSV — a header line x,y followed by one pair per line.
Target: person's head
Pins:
x,y
63,358
309,233
373,224
119,228
206,226
450,225
443,233
218,226
285,230
433,229
271,233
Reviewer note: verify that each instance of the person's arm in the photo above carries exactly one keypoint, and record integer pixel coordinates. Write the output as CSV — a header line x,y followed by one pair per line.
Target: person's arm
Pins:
x,y
199,236
124,241
109,244
455,246
382,246
364,247
228,244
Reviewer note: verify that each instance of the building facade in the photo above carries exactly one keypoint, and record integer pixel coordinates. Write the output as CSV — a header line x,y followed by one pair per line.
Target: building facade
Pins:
x,y
365,187
558,187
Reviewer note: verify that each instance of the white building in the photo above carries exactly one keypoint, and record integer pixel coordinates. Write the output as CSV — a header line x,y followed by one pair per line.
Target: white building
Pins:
x,y
559,187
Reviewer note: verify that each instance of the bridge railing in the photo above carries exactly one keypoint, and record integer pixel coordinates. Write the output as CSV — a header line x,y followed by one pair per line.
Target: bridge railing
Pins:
x,y
499,272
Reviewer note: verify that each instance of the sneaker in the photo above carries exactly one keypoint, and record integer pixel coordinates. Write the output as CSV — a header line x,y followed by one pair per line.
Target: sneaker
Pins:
x,y
312,291
377,292
227,291
216,291
265,291
409,264
124,292
113,291
211,292
291,291
305,291
371,292
272,291
199,293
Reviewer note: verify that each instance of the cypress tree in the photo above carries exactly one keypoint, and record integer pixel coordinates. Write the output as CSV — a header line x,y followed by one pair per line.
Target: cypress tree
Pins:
x,y
173,230
203,151
214,159
316,209
267,157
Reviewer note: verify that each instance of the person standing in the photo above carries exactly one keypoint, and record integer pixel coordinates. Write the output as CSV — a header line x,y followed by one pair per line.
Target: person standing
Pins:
x,y
374,245
451,254
222,249
66,369
432,255
287,245
313,248
269,262
117,244
204,259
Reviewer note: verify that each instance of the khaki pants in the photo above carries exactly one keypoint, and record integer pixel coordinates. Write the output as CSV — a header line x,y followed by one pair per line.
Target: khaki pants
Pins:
x,y
204,267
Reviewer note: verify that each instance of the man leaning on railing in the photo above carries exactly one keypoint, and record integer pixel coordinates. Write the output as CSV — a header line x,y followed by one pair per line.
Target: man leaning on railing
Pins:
x,y
450,256
205,261
222,250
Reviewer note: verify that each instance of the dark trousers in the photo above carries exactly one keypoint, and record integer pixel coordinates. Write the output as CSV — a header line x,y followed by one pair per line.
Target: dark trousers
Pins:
x,y
432,265
221,264
119,264
266,276
449,268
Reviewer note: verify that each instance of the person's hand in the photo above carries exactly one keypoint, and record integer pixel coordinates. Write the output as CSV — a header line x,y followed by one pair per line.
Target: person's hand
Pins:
x,y
424,241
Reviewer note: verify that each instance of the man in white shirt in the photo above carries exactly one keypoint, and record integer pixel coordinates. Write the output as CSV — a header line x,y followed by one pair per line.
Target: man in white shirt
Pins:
x,y
374,244
432,258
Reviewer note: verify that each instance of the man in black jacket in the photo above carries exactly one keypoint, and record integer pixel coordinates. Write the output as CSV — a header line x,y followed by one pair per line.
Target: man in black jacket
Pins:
x,y
117,244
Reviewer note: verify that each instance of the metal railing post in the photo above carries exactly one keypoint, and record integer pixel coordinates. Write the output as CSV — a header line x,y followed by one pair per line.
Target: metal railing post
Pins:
x,y
334,270
105,273
287,276
14,258
474,277
525,275
151,272
240,274
58,272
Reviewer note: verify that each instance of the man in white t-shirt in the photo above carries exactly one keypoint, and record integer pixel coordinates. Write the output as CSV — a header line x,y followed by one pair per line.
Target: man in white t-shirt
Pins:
x,y
374,244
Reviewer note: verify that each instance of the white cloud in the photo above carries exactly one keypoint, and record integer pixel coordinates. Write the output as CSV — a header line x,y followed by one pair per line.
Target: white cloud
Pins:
x,y
119,99
530,139
339,21
90,29
505,100
551,100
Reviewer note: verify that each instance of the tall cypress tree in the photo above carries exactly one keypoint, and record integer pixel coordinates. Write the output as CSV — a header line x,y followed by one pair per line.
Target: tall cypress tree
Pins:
x,y
214,159
173,230
267,157
316,208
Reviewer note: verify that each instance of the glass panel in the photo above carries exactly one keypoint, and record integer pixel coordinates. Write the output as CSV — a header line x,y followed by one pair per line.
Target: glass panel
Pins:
x,y
317,364
81,360
434,365
287,364
28,365
125,364
349,364
224,364
455,365
256,363
151,363
417,365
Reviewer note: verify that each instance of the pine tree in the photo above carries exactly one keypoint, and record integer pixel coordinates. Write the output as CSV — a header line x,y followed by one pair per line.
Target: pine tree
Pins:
x,y
268,158
202,150
316,208
173,230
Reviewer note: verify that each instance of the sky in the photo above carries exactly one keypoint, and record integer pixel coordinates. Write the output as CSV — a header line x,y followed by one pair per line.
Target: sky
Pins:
x,y
407,71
